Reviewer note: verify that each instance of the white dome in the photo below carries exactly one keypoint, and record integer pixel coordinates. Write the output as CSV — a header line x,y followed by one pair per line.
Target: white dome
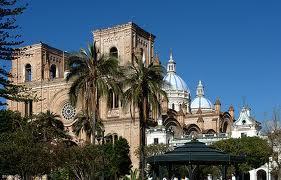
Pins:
x,y
201,102
174,82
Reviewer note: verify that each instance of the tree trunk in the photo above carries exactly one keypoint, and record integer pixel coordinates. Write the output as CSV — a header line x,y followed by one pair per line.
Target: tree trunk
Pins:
x,y
142,138
94,107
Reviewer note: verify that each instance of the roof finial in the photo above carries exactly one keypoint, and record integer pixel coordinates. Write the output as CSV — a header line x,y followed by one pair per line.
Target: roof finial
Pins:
x,y
200,89
171,55
171,67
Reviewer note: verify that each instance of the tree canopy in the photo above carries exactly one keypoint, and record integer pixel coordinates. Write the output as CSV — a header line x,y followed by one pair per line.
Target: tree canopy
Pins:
x,y
36,146
10,39
256,150
93,76
144,82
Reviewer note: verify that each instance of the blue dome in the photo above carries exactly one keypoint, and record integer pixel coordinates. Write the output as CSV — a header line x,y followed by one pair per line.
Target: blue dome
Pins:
x,y
174,82
201,102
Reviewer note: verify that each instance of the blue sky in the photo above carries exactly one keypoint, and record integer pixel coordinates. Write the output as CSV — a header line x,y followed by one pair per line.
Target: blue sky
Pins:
x,y
233,46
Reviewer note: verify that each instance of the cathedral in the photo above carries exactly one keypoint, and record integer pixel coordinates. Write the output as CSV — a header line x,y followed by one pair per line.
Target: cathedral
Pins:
x,y
43,69
185,115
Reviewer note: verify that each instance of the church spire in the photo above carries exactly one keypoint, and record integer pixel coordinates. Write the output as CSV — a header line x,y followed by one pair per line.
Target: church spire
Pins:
x,y
171,67
200,89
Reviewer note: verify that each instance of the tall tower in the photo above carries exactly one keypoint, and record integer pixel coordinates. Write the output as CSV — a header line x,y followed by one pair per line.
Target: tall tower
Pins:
x,y
123,41
40,68
126,42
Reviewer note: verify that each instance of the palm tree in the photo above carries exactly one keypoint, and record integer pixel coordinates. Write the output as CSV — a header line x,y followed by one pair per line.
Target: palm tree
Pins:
x,y
93,76
83,123
145,84
49,127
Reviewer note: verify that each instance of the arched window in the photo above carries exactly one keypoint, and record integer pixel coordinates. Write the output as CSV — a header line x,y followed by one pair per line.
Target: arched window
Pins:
x,y
28,73
113,100
110,99
53,71
173,106
113,52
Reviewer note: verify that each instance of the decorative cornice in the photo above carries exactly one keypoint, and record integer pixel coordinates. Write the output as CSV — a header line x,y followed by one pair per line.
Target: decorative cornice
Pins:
x,y
122,27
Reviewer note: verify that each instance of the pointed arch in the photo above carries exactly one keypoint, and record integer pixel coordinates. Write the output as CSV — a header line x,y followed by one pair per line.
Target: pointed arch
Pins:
x,y
225,122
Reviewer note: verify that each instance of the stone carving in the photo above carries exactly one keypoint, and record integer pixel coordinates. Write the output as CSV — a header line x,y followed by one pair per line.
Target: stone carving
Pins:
x,y
68,111
127,33
113,113
112,39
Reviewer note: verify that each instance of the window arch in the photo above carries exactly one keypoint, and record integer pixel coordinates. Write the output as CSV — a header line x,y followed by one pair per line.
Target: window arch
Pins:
x,y
53,71
113,52
28,73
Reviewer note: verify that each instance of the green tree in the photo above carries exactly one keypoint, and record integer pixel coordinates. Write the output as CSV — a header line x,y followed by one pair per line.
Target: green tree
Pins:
x,y
93,76
83,123
153,149
273,132
144,84
48,127
21,154
9,41
84,162
256,150
120,162
11,121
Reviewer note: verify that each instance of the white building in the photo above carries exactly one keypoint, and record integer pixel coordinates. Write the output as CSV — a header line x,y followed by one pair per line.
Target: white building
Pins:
x,y
245,125
159,134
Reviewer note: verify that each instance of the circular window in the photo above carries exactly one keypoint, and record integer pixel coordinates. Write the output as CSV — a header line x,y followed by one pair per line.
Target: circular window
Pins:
x,y
68,111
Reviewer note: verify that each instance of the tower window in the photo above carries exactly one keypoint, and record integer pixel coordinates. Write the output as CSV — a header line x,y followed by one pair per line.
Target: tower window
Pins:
x,y
28,73
113,52
173,106
116,100
113,100
53,71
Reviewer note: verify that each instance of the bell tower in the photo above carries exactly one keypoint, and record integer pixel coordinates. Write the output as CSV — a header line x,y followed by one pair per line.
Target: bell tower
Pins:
x,y
123,41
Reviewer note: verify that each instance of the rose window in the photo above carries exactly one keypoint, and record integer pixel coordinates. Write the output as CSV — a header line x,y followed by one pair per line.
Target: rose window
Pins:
x,y
68,111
